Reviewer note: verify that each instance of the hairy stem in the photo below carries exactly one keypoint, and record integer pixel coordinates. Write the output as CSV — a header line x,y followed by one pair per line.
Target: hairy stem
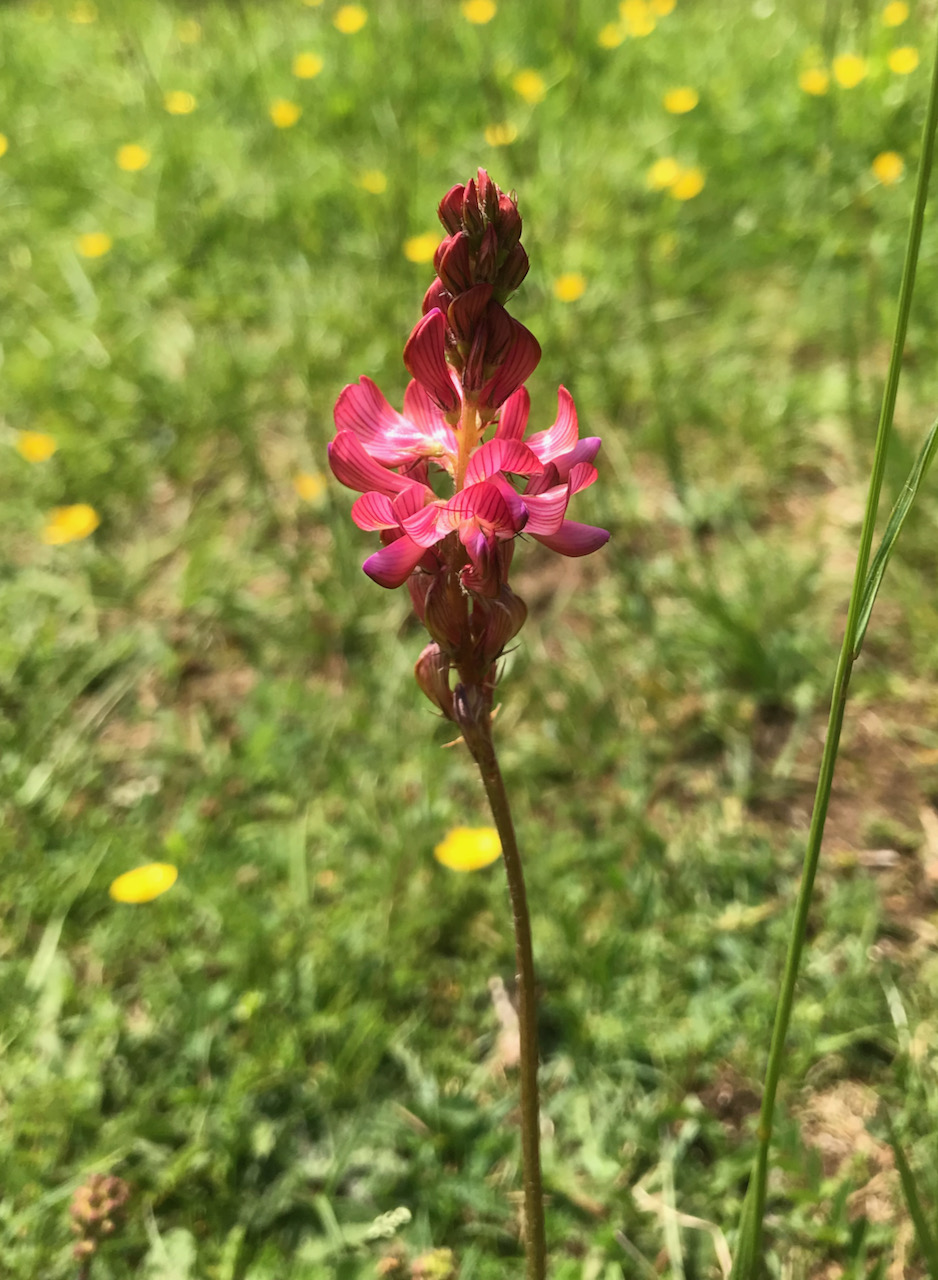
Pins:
x,y
749,1248
478,737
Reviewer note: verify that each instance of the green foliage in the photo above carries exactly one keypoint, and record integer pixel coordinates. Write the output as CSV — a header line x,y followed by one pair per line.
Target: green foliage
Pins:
x,y
298,1041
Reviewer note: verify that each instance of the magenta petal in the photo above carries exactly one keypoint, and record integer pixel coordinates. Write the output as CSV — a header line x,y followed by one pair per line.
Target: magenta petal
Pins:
x,y
427,417
574,539
374,511
363,409
428,525
581,476
501,455
425,358
482,502
517,507
519,363
562,436
546,510
584,451
411,500
356,469
393,564
514,416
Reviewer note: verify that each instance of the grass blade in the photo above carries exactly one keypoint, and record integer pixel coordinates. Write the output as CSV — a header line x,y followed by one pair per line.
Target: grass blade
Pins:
x,y
897,518
926,1240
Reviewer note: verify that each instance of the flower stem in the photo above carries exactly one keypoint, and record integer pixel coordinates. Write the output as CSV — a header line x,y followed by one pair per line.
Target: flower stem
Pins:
x,y
478,738
746,1264
468,436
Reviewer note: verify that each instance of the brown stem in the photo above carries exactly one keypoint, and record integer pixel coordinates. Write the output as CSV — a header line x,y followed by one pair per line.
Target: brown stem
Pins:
x,y
477,732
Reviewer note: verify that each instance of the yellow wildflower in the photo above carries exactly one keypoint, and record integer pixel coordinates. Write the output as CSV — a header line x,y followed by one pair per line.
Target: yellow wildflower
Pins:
x,y
373,181
283,113
350,18
421,248
903,61
530,85
188,31
679,101
849,70
469,848
143,884
570,286
4,144
895,13
132,157
689,184
611,35
179,103
638,17
888,167
83,12
663,7
93,244
663,173
35,446
306,66
478,12
70,524
309,485
500,135
814,80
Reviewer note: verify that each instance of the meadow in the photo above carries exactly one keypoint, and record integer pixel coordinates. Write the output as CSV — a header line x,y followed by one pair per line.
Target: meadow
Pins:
x,y
214,217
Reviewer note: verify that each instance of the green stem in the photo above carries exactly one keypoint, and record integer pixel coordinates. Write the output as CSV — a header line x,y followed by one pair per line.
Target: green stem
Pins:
x,y
749,1247
478,738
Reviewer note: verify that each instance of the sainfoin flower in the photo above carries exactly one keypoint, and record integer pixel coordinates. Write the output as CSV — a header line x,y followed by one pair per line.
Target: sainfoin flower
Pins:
x,y
464,428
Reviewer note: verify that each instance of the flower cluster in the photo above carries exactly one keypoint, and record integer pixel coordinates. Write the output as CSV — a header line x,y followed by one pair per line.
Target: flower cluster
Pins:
x,y
96,1211
469,360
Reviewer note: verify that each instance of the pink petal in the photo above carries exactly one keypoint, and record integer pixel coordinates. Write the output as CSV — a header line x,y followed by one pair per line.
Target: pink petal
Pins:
x,y
411,500
425,358
393,564
427,417
581,476
428,525
501,455
514,416
562,436
358,470
584,451
374,511
574,539
486,503
546,510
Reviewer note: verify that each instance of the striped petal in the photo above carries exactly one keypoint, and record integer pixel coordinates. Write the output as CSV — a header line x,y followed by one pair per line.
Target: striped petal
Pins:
x,y
584,451
393,564
546,510
356,469
427,417
562,436
513,419
374,511
425,358
501,455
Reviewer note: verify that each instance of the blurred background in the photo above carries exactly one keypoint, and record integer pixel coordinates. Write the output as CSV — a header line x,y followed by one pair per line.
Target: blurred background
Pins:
x,y
211,219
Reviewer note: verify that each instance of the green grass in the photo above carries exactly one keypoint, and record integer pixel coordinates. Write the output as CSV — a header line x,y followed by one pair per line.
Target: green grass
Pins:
x,y
297,1038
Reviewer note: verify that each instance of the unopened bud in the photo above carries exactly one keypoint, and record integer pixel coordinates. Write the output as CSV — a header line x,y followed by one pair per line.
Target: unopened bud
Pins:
x,y
502,620
466,311
471,213
432,673
455,265
507,222
450,209
446,612
511,273
436,298
487,258
488,195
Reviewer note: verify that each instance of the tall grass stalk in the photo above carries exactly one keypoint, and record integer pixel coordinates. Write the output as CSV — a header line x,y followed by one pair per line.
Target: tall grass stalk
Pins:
x,y
749,1246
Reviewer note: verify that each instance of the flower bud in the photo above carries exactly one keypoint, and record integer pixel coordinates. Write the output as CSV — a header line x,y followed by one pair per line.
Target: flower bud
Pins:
x,y
466,311
450,209
511,273
501,621
432,673
487,258
446,612
471,213
507,222
488,194
455,266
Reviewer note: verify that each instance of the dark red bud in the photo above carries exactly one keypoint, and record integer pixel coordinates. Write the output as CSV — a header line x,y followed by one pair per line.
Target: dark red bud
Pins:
x,y
503,619
455,265
488,194
507,222
471,213
441,249
512,272
436,297
466,311
450,209
487,257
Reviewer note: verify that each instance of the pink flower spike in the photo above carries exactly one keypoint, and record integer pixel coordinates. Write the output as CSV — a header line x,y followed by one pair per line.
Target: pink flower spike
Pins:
x,y
501,455
560,438
574,539
513,419
356,469
425,358
393,564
